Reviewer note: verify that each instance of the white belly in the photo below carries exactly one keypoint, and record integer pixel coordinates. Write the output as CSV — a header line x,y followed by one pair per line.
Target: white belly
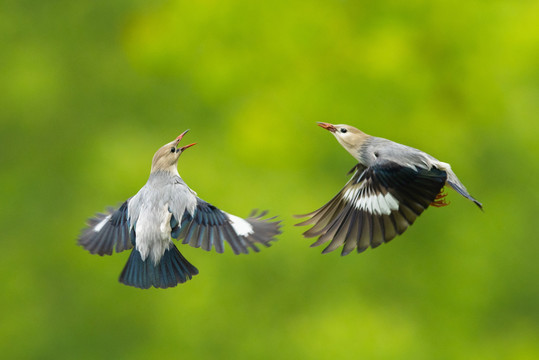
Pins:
x,y
153,232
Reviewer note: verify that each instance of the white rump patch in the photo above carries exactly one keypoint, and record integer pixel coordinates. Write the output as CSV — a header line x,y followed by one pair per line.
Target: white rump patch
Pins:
x,y
377,204
102,223
240,226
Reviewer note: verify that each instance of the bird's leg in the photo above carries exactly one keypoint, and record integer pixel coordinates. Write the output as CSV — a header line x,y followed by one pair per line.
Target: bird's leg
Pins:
x,y
440,200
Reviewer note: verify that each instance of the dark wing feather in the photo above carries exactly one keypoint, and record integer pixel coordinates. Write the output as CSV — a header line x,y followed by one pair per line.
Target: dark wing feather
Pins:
x,y
106,232
377,204
209,227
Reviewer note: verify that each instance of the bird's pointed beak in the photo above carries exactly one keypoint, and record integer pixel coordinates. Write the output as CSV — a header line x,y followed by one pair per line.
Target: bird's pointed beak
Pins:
x,y
186,146
181,135
178,139
327,126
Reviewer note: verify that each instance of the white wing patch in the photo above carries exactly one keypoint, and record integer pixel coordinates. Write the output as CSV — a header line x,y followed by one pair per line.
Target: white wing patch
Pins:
x,y
351,193
378,203
240,226
102,223
373,203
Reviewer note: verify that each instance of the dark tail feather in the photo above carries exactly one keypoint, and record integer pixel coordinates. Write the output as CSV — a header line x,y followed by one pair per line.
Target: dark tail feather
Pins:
x,y
171,270
464,193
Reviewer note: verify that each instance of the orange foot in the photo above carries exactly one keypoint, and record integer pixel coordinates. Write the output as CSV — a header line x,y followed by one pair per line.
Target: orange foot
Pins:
x,y
439,200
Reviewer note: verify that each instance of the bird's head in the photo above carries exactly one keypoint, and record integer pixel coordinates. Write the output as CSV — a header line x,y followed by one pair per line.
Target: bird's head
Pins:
x,y
166,158
348,136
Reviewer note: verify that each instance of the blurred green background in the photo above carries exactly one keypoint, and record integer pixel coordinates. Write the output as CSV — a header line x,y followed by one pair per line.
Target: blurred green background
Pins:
x,y
90,89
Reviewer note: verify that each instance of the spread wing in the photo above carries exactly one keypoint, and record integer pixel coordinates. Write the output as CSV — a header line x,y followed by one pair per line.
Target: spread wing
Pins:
x,y
106,232
377,204
209,227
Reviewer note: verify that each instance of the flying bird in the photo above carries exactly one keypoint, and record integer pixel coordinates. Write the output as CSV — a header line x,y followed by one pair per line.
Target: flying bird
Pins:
x,y
165,208
391,186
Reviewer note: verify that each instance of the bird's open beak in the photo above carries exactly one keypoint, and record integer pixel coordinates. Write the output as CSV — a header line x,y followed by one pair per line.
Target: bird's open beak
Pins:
x,y
327,126
180,137
186,146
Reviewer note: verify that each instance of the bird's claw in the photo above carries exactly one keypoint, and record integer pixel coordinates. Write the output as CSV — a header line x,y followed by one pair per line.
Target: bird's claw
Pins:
x,y
439,200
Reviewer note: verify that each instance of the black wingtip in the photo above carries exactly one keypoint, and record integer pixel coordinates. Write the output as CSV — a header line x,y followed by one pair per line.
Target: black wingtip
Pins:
x,y
479,205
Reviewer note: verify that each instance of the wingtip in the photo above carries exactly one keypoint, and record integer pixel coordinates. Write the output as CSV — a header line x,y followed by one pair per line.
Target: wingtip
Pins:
x,y
303,223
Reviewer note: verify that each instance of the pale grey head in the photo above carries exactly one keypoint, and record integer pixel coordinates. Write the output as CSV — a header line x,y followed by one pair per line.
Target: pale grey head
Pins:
x,y
166,158
348,136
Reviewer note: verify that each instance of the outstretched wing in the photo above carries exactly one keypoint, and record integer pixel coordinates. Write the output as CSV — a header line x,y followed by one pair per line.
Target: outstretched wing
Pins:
x,y
107,231
210,227
377,204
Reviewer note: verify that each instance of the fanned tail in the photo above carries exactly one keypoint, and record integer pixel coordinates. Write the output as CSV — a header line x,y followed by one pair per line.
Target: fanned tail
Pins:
x,y
171,270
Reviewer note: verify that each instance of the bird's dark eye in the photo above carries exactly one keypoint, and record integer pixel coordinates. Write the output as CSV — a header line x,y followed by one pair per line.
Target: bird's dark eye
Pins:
x,y
172,149
343,130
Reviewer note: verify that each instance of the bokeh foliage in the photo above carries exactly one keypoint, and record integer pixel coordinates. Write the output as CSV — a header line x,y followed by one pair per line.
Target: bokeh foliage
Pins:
x,y
90,89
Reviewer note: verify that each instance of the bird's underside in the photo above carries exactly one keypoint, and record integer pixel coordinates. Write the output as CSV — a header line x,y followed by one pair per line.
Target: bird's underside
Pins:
x,y
376,205
165,208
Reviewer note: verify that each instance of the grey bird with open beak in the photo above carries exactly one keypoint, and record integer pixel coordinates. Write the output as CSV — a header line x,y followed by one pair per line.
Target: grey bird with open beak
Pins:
x,y
167,208
391,186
